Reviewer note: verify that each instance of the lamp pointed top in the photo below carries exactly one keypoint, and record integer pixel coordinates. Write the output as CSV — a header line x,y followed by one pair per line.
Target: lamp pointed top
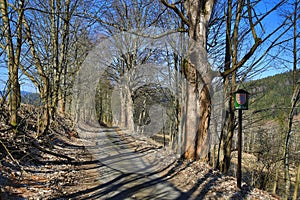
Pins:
x,y
241,91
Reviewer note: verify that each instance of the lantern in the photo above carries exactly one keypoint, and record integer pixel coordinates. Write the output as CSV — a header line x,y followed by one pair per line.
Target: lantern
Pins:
x,y
241,99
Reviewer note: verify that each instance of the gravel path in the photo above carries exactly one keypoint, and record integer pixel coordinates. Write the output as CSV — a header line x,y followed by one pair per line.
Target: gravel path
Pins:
x,y
123,172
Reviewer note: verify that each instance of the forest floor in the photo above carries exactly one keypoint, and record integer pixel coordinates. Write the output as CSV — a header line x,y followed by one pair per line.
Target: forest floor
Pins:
x,y
59,165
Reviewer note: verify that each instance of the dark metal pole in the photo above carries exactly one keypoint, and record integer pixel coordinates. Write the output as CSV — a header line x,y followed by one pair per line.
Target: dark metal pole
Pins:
x,y
239,167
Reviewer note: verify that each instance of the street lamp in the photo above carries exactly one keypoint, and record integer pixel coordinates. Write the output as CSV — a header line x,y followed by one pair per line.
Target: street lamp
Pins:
x,y
241,99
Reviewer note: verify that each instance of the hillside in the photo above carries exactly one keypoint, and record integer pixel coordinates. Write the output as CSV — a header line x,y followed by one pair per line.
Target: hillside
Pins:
x,y
271,96
265,127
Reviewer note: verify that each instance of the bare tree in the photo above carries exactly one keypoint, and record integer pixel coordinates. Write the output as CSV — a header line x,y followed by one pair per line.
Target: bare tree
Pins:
x,y
286,151
236,59
294,102
198,73
124,22
46,51
13,51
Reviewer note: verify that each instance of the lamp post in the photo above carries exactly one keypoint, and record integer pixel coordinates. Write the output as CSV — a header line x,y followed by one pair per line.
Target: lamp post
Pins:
x,y
241,98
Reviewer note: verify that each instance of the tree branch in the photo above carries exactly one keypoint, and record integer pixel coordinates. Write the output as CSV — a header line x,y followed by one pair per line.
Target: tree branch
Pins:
x,y
177,11
244,59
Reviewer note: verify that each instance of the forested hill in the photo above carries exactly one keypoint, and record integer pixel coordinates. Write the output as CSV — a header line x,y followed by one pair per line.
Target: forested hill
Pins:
x,y
271,95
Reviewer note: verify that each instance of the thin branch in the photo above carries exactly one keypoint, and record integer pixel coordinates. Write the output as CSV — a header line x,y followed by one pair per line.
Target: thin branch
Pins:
x,y
252,27
177,11
9,154
244,59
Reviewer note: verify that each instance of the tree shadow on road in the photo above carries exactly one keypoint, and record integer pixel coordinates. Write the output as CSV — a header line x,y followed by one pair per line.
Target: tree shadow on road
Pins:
x,y
153,184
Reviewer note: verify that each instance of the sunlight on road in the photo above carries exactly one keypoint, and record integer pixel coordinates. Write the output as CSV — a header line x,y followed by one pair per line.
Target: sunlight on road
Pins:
x,y
124,173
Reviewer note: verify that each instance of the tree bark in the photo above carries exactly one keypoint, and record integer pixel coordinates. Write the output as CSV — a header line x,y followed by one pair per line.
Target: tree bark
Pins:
x,y
195,111
13,55
198,74
286,152
297,183
129,109
63,58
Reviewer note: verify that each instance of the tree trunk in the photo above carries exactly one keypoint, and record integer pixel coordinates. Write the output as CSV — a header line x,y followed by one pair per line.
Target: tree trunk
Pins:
x,y
129,109
225,146
45,118
64,53
54,68
203,137
122,108
191,123
13,55
275,185
297,183
227,132
197,72
286,153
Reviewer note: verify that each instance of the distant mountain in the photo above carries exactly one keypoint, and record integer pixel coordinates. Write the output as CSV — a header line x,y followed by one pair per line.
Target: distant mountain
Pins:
x,y
27,97
26,93
30,98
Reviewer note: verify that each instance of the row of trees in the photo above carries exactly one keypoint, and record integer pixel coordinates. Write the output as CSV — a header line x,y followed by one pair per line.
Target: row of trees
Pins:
x,y
190,46
46,42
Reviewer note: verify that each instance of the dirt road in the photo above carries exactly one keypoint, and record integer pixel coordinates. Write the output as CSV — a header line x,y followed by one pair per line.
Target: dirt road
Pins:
x,y
123,172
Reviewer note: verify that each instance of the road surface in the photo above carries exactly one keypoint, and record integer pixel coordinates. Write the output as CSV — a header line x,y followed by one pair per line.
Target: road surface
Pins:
x,y
123,173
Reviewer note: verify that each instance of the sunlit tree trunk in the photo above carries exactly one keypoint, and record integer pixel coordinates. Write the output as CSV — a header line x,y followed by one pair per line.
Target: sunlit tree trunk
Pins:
x,y
53,69
286,151
60,24
129,109
198,75
13,55
122,108
126,108
195,111
190,119
297,183
64,57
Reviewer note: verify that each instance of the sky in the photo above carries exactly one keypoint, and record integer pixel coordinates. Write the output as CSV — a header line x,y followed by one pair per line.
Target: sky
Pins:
x,y
271,23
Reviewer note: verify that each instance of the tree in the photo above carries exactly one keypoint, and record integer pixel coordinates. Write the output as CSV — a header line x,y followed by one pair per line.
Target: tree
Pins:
x,y
13,51
286,151
232,64
239,62
294,102
198,73
123,23
46,51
